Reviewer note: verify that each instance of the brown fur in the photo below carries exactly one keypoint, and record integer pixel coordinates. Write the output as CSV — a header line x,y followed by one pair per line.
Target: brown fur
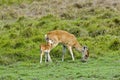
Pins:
x,y
45,48
66,38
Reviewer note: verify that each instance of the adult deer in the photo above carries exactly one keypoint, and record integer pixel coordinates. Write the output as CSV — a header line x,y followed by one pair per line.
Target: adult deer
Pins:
x,y
45,49
68,40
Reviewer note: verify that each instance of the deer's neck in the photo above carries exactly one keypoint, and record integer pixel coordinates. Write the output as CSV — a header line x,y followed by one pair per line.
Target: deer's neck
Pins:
x,y
78,47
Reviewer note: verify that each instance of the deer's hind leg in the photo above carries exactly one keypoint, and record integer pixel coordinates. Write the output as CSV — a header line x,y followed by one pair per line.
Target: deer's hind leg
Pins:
x,y
64,51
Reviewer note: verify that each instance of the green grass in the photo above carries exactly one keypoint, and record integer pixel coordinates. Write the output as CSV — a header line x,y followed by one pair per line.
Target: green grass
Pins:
x,y
103,68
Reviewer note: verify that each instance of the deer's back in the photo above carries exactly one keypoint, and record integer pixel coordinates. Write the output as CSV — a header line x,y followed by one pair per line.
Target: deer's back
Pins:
x,y
62,37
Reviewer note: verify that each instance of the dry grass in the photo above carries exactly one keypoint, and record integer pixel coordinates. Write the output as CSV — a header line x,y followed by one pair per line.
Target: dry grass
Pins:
x,y
65,8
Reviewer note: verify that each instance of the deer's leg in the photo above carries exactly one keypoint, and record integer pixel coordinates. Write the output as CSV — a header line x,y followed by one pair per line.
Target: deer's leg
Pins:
x,y
71,52
41,55
49,58
46,57
64,51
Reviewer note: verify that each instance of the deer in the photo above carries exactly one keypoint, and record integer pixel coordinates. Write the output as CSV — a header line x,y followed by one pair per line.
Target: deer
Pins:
x,y
69,41
45,49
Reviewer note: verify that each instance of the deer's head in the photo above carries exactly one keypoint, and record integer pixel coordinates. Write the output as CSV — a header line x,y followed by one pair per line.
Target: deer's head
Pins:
x,y
85,53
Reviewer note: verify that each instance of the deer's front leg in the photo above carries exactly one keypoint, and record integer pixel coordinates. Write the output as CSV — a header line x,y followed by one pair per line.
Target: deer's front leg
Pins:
x,y
71,52
49,58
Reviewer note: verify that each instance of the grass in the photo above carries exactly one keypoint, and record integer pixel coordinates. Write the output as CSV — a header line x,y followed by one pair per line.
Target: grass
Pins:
x,y
97,69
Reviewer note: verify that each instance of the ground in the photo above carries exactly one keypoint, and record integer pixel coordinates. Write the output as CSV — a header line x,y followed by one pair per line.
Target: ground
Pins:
x,y
94,69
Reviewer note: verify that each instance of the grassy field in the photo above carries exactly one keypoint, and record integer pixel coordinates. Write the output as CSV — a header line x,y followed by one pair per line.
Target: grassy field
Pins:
x,y
100,69
95,69
23,24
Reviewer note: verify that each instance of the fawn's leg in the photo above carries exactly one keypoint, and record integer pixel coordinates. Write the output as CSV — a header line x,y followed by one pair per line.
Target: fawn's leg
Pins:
x,y
41,55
